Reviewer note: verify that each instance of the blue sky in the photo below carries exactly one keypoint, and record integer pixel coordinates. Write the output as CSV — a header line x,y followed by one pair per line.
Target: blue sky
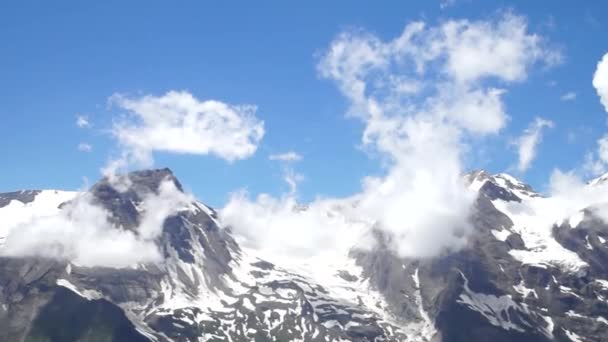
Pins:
x,y
63,60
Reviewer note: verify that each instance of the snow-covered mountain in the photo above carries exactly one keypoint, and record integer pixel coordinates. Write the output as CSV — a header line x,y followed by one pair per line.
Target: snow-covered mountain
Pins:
x,y
529,273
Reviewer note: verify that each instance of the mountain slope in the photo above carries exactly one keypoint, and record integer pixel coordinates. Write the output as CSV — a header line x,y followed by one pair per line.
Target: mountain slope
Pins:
x,y
514,281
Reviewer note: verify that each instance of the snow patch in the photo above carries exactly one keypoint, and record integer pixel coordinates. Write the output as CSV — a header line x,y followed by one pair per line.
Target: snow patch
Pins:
x,y
533,220
501,235
496,309
573,336
87,294
524,291
46,203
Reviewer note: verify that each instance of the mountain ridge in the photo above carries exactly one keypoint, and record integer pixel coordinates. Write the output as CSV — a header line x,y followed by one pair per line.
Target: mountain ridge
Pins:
x,y
208,288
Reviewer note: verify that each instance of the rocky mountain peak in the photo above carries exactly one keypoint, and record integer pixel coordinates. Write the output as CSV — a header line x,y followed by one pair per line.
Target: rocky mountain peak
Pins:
x,y
499,186
599,180
122,195
23,196
512,282
139,182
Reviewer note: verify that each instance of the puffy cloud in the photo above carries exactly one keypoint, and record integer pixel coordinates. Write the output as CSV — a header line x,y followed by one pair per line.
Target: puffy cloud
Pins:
x,y
422,195
177,122
600,80
281,229
421,97
85,147
421,202
569,195
596,162
569,96
528,142
82,121
424,207
82,233
479,111
502,49
290,156
460,52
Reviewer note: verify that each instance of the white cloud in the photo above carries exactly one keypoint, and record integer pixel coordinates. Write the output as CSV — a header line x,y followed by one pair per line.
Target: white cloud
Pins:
x,y
82,233
82,121
569,195
461,53
290,156
85,147
502,49
568,191
569,96
292,179
280,228
443,4
528,142
422,195
177,122
421,201
600,80
480,111
290,176
421,96
596,162
603,149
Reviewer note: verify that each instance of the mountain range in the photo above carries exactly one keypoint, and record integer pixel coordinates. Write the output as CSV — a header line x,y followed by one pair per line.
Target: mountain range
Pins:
x,y
515,280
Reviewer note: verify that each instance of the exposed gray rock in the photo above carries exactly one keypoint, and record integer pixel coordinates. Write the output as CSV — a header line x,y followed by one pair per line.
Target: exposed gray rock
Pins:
x,y
207,288
24,196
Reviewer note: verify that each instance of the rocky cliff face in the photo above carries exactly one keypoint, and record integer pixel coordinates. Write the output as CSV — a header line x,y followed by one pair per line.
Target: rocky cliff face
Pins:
x,y
513,282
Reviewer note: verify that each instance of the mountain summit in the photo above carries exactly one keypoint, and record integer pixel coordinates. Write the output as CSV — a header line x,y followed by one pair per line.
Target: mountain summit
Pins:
x,y
518,278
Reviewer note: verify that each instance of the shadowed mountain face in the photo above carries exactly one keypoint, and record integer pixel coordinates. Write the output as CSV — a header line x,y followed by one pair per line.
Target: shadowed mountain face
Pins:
x,y
510,283
69,317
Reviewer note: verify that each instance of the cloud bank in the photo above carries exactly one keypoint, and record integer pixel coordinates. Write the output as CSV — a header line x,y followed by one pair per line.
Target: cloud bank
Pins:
x,y
421,96
280,228
569,195
82,233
